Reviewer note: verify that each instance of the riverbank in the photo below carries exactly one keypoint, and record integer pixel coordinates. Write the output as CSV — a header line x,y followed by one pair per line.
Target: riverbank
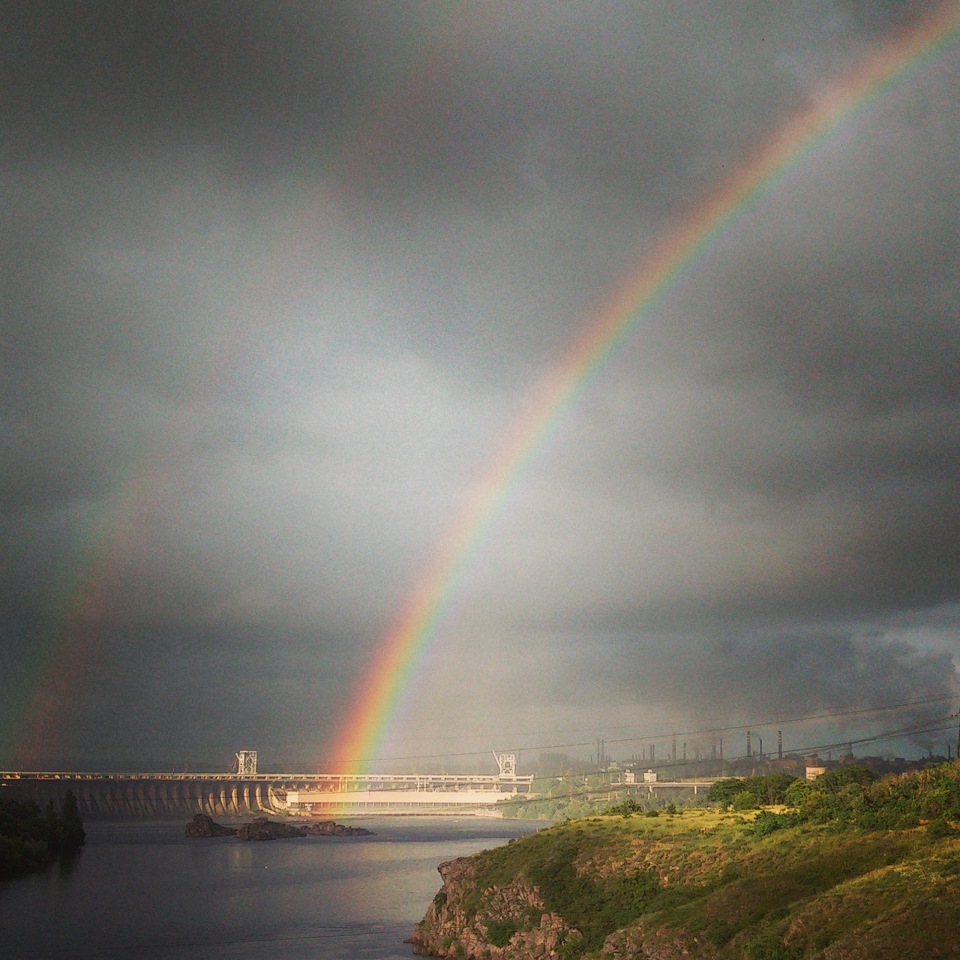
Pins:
x,y
759,885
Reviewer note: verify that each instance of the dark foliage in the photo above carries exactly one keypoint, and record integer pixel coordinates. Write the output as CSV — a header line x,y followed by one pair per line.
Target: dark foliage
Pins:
x,y
766,822
595,907
626,808
764,791
499,932
854,796
29,838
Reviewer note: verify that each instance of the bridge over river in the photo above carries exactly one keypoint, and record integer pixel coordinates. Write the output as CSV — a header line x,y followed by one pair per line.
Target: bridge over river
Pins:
x,y
157,795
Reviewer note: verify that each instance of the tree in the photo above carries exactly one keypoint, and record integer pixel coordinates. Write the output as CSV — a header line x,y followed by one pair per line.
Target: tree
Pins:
x,y
68,834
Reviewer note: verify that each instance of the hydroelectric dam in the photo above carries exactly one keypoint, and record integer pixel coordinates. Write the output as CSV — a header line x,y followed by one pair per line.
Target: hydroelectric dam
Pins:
x,y
112,796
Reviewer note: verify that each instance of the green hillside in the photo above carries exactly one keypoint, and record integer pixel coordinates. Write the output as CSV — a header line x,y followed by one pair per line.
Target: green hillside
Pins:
x,y
853,867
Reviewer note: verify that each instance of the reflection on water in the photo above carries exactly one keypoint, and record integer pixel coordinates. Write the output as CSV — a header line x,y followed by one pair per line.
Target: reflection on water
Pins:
x,y
144,890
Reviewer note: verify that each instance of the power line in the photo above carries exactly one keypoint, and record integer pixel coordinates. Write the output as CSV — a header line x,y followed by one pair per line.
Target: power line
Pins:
x,y
931,727
705,732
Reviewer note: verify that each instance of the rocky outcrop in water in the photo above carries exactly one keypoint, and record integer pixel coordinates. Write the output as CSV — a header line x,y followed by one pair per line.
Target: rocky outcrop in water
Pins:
x,y
329,828
204,826
263,829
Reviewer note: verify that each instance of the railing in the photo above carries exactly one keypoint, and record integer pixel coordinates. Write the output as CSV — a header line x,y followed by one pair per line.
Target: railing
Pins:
x,y
328,781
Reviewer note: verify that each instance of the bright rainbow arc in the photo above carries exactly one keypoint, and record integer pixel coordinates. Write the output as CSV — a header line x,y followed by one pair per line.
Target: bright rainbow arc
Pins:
x,y
385,685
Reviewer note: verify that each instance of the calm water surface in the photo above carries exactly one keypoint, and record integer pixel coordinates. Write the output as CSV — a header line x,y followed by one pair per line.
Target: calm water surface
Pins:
x,y
144,890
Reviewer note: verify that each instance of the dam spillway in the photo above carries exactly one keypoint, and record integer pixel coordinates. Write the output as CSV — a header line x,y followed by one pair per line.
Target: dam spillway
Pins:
x,y
113,796
148,796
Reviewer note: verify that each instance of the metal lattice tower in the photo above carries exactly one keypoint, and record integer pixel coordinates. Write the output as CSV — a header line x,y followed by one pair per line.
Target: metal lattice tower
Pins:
x,y
246,763
507,762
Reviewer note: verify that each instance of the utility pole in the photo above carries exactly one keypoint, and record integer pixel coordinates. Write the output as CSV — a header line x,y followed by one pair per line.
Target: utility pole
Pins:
x,y
957,715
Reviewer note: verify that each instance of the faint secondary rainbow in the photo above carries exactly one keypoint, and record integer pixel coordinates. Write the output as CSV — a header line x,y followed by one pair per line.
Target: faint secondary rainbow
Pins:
x,y
382,689
65,644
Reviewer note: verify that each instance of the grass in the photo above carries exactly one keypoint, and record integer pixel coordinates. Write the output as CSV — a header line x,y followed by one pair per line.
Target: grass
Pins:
x,y
783,894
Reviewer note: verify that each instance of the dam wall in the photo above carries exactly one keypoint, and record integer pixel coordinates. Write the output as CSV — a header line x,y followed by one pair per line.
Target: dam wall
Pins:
x,y
119,798
113,796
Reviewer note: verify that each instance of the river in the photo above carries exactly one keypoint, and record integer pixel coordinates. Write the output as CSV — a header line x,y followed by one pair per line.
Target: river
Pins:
x,y
142,890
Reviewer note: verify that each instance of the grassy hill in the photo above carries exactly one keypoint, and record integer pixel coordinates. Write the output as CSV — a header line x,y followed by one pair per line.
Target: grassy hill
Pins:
x,y
853,868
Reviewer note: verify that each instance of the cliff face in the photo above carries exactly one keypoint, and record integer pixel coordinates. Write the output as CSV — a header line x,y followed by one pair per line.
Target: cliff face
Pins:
x,y
497,922
700,885
511,922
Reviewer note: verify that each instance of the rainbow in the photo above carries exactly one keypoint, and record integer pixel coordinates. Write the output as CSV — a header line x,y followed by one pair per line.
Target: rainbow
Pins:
x,y
63,646
62,649
383,689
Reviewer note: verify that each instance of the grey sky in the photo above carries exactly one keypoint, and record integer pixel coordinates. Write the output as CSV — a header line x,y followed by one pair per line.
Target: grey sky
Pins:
x,y
277,279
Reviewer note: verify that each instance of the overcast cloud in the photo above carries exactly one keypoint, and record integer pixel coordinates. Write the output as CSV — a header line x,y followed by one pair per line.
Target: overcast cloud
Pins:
x,y
277,280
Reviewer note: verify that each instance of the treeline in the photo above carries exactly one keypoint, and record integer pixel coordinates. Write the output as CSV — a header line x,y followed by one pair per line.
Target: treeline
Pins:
x,y
575,796
29,837
851,796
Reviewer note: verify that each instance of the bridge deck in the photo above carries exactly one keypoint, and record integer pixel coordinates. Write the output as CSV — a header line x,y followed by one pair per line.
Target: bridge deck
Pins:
x,y
230,794
323,781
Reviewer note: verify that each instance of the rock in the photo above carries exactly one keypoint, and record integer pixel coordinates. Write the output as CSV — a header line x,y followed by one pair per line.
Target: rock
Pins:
x,y
452,929
263,829
204,826
328,828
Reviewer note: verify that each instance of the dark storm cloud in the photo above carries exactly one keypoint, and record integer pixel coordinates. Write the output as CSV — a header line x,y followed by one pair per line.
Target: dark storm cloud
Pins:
x,y
278,278
135,76
829,673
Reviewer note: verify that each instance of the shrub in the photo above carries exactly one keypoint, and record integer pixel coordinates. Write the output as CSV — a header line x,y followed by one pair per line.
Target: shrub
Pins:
x,y
766,822
937,829
770,947
570,950
595,907
723,791
499,932
626,808
769,789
